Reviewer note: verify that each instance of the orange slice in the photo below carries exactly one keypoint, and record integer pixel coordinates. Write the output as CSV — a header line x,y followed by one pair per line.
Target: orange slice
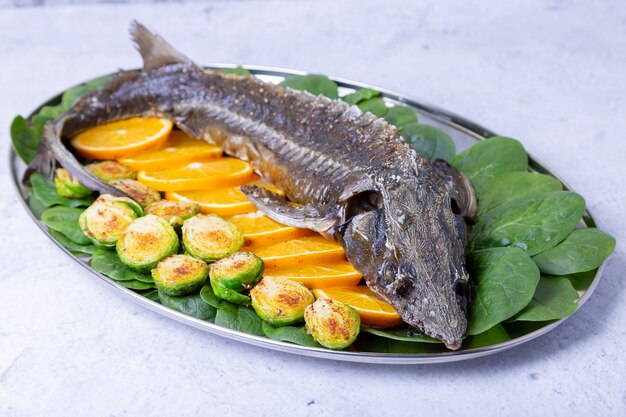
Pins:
x,y
304,250
221,172
373,311
320,276
259,229
120,139
227,201
178,150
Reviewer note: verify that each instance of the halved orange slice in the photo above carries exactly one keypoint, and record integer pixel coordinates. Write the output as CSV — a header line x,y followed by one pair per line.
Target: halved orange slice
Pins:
x,y
178,150
220,172
373,311
259,229
301,251
320,276
121,139
227,201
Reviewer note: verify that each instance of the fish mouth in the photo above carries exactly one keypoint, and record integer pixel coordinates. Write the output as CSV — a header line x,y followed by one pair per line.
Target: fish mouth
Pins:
x,y
453,345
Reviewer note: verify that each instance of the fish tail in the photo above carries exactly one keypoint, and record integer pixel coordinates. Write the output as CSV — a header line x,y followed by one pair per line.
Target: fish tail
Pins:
x,y
154,50
51,150
44,162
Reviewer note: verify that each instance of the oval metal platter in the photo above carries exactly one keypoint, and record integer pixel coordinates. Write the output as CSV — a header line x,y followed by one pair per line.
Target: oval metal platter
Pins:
x,y
463,131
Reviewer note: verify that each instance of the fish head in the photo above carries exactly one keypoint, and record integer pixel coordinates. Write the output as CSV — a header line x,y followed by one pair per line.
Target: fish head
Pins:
x,y
409,245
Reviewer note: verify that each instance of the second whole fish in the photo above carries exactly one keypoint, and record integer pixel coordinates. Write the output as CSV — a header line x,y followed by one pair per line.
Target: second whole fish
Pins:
x,y
346,174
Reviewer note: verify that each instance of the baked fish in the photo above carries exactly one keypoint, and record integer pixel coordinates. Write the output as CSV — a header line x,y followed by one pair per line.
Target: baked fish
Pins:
x,y
346,174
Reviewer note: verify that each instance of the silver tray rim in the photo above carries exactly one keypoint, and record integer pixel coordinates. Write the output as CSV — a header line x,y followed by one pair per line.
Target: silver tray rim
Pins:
x,y
448,118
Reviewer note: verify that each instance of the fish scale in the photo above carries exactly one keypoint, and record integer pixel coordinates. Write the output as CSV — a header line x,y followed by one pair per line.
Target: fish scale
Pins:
x,y
353,176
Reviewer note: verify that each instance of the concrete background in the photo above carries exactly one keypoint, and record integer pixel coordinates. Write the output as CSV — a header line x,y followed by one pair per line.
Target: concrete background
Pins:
x,y
550,73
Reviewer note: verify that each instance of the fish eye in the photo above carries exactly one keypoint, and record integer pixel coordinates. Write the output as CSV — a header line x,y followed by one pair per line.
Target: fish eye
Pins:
x,y
390,270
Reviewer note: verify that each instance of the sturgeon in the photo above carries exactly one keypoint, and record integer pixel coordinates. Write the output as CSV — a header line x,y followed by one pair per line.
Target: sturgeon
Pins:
x,y
346,174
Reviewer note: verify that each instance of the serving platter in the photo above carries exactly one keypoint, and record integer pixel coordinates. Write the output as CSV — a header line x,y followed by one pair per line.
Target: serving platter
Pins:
x,y
464,132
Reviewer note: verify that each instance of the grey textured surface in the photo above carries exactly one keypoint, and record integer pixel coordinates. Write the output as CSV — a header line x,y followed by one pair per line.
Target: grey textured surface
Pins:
x,y
547,72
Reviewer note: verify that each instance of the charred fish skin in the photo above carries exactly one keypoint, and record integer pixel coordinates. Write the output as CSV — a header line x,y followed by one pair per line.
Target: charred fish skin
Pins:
x,y
346,174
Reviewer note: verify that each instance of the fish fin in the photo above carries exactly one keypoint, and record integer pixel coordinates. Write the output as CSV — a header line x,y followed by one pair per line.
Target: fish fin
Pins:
x,y
279,209
463,195
154,50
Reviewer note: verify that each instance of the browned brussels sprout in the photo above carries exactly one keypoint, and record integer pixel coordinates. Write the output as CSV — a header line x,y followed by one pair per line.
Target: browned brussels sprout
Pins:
x,y
180,275
332,324
145,242
280,301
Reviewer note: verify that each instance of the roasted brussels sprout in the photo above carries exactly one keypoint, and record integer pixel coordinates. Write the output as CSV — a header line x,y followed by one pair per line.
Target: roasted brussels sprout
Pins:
x,y
142,194
280,301
105,219
109,171
210,238
235,273
145,242
68,186
332,324
180,275
175,212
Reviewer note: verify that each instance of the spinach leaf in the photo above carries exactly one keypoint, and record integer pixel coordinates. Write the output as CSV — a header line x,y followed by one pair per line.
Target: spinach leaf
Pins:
x,y
239,318
237,71
46,192
400,116
70,96
24,140
505,280
209,297
189,304
45,114
534,224
71,245
583,250
138,276
293,334
376,106
135,285
554,298
497,334
360,95
489,158
582,280
36,206
367,342
73,94
108,263
98,83
429,141
314,84
152,294
65,220
514,186
405,335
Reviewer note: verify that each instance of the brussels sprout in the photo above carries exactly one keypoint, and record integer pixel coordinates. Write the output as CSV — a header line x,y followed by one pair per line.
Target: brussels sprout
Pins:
x,y
68,186
332,324
105,219
180,275
108,171
174,212
210,238
235,273
145,242
142,194
280,301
